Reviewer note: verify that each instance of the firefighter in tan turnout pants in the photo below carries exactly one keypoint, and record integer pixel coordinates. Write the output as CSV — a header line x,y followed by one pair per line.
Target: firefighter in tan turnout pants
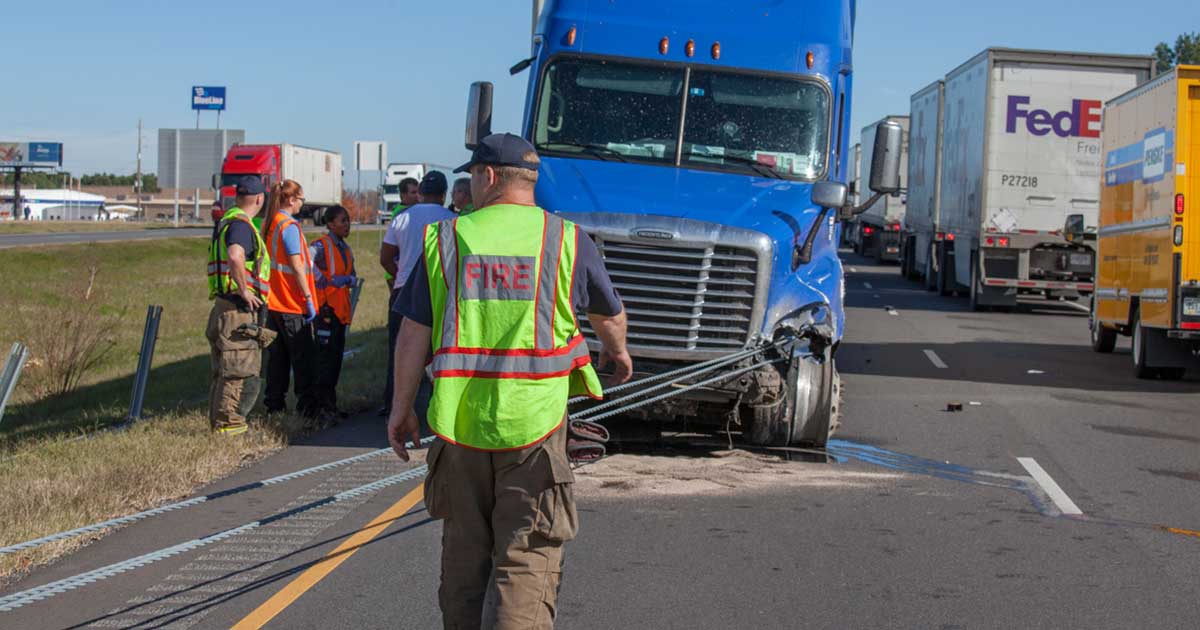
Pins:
x,y
494,298
238,283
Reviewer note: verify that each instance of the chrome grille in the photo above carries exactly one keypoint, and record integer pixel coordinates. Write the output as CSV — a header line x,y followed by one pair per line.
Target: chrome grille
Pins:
x,y
682,299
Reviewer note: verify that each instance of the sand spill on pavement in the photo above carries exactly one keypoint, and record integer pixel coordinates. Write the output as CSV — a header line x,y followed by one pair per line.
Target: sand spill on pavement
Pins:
x,y
717,472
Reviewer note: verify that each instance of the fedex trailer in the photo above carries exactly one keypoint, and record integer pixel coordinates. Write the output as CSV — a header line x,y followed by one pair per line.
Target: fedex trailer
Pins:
x,y
1021,155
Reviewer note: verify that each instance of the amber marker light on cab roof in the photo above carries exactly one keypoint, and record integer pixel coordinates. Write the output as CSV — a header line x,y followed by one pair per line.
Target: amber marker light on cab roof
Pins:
x,y
571,36
716,50
689,48
664,45
809,59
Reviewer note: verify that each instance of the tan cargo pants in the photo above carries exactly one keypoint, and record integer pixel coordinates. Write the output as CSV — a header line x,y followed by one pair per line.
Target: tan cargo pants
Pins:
x,y
235,358
507,515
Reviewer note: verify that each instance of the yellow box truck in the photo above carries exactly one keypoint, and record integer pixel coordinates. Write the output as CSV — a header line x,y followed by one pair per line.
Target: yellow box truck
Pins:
x,y
1148,275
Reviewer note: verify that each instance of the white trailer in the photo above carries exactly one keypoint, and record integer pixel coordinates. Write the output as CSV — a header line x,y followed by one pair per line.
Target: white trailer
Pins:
x,y
400,171
922,228
318,171
854,181
1021,154
877,231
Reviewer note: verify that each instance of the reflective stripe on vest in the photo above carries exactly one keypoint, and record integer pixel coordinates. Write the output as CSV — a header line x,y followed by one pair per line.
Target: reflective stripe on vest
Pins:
x,y
507,349
531,364
337,263
258,271
287,296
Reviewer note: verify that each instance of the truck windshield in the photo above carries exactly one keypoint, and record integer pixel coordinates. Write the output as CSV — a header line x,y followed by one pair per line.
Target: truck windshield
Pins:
x,y
610,111
629,112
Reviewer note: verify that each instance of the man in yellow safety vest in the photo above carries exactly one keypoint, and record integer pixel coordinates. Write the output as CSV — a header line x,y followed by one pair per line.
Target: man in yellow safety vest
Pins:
x,y
239,272
494,298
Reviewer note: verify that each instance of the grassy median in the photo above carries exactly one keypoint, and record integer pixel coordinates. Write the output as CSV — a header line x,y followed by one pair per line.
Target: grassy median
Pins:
x,y
65,459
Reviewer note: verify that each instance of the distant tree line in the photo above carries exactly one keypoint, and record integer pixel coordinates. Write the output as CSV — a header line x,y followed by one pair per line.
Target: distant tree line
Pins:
x,y
43,179
1185,52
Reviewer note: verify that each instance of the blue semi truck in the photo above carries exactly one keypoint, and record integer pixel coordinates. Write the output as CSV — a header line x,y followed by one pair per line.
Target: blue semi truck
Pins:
x,y
703,144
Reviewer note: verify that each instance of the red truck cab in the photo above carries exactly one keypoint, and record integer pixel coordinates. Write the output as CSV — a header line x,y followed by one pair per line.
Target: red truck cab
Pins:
x,y
261,160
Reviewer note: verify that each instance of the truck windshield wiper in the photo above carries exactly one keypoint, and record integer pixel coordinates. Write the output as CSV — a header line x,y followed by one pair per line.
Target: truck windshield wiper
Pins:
x,y
759,167
590,148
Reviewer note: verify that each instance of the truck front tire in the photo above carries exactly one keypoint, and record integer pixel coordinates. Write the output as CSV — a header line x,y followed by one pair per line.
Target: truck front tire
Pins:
x,y
808,413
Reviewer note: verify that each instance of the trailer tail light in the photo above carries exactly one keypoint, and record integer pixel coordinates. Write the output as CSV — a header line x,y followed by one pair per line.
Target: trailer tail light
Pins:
x,y
571,36
949,236
1178,235
868,230
716,50
1179,203
664,45
994,241
895,227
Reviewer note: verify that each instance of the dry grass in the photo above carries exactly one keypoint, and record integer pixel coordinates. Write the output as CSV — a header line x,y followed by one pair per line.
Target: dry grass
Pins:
x,y
54,479
56,484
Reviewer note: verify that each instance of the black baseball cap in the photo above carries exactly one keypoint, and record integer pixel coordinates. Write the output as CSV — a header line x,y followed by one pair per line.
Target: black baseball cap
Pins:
x,y
250,185
434,183
501,149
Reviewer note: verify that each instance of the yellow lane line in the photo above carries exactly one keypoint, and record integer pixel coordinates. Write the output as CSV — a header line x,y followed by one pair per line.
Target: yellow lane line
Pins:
x,y
323,567
1181,532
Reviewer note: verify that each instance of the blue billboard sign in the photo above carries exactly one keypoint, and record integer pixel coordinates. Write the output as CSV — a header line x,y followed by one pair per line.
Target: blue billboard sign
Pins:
x,y
31,154
45,153
208,98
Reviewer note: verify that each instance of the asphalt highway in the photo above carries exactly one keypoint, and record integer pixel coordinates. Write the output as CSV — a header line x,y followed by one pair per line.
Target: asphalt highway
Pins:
x,y
64,238
1062,495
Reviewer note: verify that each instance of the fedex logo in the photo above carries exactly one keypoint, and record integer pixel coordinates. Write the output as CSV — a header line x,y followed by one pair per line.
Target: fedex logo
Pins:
x,y
498,277
1081,121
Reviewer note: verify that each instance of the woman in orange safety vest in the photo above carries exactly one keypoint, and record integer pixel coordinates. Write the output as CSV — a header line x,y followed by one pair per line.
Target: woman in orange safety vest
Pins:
x,y
292,305
333,261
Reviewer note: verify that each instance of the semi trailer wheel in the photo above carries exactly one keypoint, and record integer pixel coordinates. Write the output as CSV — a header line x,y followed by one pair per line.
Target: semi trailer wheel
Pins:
x,y
975,286
1140,369
930,279
944,273
1104,340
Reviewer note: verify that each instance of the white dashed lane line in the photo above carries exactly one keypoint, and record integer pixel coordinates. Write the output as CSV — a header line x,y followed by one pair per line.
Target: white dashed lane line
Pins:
x,y
1052,489
868,285
936,360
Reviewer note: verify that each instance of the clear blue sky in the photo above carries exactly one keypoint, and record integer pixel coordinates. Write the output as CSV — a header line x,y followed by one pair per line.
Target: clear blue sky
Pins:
x,y
326,73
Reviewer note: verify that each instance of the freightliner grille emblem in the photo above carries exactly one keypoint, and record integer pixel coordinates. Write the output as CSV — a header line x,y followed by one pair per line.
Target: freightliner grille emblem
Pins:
x,y
653,235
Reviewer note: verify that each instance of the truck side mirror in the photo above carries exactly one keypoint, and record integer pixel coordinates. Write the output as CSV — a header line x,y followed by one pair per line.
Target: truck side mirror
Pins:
x,y
885,158
215,186
479,113
827,194
1075,224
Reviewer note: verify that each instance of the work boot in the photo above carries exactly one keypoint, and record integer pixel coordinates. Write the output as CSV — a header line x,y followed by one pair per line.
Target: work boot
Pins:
x,y
231,430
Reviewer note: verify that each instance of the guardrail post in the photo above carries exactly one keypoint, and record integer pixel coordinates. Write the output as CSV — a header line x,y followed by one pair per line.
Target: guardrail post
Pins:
x,y
12,371
354,293
145,358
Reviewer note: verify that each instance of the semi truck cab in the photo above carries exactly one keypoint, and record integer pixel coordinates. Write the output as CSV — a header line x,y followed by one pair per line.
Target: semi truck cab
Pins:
x,y
704,148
